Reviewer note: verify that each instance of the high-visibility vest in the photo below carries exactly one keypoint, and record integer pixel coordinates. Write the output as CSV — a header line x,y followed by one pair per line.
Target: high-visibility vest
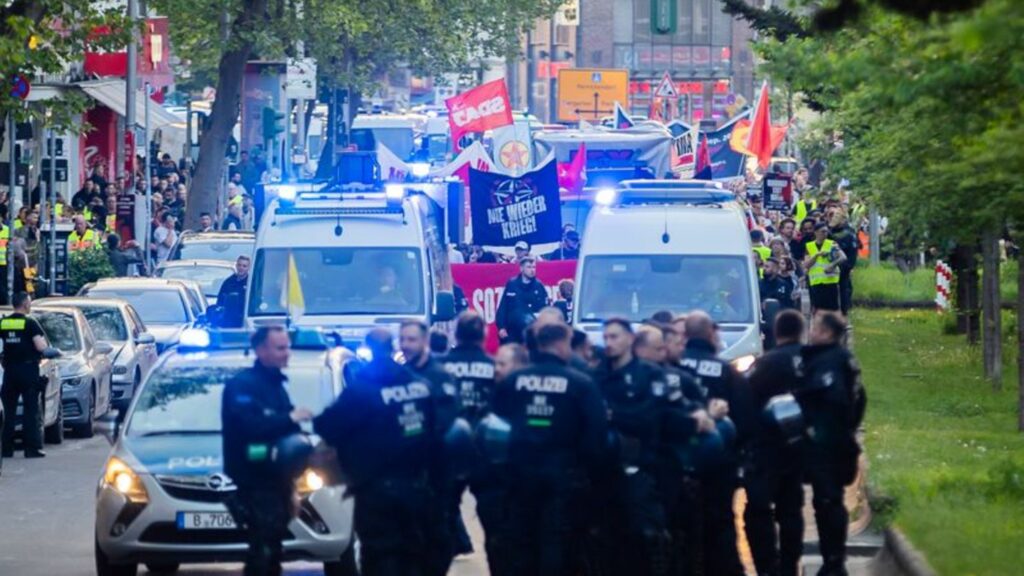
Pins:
x,y
83,242
236,201
5,237
801,209
817,274
87,214
18,224
765,253
60,210
111,223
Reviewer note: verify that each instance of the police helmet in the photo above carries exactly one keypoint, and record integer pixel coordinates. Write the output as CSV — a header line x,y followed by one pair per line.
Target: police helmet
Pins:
x,y
493,434
460,452
783,416
291,454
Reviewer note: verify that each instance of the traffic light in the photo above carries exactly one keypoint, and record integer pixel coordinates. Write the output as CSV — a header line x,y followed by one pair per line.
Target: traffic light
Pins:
x,y
272,123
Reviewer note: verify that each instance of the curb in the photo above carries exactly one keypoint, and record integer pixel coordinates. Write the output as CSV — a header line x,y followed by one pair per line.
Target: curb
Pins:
x,y
898,557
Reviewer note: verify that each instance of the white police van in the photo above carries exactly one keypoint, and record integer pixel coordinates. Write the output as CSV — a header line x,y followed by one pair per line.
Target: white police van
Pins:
x,y
364,255
676,245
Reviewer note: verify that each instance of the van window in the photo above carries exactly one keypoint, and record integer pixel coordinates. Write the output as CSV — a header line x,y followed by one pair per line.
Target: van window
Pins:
x,y
337,281
635,287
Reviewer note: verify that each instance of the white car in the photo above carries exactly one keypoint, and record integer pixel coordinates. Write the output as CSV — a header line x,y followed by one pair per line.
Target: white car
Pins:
x,y
208,274
165,306
134,349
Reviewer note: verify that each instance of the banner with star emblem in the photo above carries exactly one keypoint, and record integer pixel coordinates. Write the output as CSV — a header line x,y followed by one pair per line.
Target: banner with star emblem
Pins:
x,y
513,147
506,209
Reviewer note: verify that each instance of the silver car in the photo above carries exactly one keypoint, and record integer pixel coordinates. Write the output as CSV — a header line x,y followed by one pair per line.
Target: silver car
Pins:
x,y
209,274
84,366
165,306
160,497
49,399
118,324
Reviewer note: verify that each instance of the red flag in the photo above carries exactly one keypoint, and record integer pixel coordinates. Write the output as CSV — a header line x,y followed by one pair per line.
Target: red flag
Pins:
x,y
572,174
702,167
483,108
763,137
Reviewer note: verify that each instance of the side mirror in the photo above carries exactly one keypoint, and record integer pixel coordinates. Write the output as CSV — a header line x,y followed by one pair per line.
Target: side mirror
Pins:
x,y
445,304
107,426
51,353
103,348
145,338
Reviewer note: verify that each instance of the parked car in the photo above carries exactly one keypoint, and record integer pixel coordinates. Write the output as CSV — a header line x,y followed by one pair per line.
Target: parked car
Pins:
x,y
209,274
84,366
117,323
225,246
165,306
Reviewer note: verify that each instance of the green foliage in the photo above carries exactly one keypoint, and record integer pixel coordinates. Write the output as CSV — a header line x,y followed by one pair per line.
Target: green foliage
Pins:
x,y
947,462
85,266
888,284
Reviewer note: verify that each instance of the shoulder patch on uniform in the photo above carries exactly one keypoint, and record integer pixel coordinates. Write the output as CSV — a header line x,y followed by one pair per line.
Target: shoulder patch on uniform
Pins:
x,y
709,368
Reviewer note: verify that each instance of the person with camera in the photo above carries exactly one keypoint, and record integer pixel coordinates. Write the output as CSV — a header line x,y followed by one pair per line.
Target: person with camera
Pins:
x,y
523,297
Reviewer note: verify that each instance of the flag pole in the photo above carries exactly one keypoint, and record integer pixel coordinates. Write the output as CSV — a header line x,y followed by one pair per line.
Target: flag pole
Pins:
x,y
288,292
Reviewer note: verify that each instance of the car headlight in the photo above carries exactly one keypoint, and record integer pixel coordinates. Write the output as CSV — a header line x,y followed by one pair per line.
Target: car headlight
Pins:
x,y
120,370
123,479
74,381
743,363
309,482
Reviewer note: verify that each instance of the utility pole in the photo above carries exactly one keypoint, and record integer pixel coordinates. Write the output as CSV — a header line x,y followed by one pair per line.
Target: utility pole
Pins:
x,y
147,178
52,215
130,79
12,180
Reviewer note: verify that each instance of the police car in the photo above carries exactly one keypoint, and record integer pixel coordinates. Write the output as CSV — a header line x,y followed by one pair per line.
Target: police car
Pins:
x,y
160,499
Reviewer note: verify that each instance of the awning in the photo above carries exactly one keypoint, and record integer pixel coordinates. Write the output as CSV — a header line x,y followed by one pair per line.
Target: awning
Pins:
x,y
111,93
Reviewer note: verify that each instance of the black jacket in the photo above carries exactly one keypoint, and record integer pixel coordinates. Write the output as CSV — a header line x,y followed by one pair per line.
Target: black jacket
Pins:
x,y
718,379
557,417
473,372
121,259
443,387
255,414
778,372
846,237
778,288
383,426
232,298
520,302
635,395
831,396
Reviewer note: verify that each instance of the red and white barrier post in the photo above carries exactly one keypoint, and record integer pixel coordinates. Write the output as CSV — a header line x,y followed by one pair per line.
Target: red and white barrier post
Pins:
x,y
943,281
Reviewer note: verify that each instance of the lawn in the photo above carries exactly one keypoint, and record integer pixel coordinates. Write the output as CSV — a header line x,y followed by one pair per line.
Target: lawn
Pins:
x,y
886,283
945,454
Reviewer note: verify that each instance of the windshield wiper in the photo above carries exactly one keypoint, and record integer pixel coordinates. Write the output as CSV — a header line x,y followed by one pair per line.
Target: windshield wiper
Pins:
x,y
179,433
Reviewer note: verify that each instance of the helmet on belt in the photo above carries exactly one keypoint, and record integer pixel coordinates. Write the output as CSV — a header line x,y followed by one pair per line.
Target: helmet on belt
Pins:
x,y
493,434
291,454
460,453
784,418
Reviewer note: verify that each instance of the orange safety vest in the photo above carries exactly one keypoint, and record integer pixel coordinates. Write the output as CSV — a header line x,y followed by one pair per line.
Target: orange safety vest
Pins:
x,y
865,244
5,237
83,242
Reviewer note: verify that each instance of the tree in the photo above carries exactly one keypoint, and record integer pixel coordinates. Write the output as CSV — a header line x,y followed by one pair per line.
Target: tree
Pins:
x,y
354,43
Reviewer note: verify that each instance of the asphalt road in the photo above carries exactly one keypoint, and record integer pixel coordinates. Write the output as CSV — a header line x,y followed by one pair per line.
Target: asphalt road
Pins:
x,y
47,513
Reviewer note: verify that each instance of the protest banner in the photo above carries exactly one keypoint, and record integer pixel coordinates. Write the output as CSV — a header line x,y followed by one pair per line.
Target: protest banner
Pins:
x,y
506,209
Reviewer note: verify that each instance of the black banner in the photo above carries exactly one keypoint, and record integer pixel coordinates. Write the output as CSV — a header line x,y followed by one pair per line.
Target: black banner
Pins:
x,y
507,210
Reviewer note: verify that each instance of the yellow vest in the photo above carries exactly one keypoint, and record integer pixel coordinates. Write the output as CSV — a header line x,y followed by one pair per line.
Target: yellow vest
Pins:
x,y
236,201
60,210
802,209
83,242
817,274
111,223
765,253
87,214
5,237
18,224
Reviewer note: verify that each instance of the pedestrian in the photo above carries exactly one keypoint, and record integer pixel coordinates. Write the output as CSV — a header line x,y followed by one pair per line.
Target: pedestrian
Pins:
x,y
84,195
568,249
233,221
82,237
566,289
165,237
774,286
773,468
31,236
757,243
122,258
822,264
5,240
206,222
256,414
166,167
249,173
386,432
558,433
231,296
509,359
523,297
23,344
99,177
845,236
522,250
833,402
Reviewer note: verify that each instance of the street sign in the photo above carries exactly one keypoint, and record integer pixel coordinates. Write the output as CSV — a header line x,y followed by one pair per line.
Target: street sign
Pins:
x,y
21,174
300,79
58,144
666,88
663,16
590,93
20,86
62,170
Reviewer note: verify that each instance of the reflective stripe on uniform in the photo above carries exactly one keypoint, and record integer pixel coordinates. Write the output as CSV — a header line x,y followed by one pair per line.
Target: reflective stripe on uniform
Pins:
x,y
12,324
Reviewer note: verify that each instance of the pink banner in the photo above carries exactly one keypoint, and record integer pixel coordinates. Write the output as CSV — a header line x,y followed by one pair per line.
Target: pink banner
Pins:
x,y
483,285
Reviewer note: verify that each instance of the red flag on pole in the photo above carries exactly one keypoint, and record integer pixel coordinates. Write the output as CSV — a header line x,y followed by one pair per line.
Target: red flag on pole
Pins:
x,y
483,108
702,167
572,174
763,140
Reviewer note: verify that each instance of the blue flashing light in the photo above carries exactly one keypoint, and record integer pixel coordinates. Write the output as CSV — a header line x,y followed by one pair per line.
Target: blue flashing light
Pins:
x,y
606,196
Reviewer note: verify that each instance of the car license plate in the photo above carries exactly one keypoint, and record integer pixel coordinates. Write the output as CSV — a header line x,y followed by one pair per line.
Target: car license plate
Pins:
x,y
205,521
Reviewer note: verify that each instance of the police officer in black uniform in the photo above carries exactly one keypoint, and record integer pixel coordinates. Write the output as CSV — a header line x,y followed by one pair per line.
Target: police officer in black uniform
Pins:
x,y
833,403
231,297
386,432
558,431
256,413
635,394
24,343
773,467
718,483
522,299
471,367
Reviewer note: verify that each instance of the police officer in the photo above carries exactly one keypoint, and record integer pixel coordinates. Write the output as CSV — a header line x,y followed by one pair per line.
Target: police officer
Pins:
x,y
558,428
833,403
384,427
635,394
773,468
257,413
24,342
720,384
523,297
471,367
231,297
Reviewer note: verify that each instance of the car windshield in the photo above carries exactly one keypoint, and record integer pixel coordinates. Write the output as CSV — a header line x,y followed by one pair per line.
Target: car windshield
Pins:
x,y
60,331
635,287
155,306
226,250
187,399
335,281
106,322
209,278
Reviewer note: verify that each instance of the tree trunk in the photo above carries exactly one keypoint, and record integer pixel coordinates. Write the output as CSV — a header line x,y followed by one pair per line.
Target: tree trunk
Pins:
x,y
992,345
965,267
1020,341
214,142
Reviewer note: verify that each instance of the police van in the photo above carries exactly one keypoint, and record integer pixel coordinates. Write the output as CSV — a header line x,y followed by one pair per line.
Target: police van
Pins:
x,y
676,245
355,256
161,495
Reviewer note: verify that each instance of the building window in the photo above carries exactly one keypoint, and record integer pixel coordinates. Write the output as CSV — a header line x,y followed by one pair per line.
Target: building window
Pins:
x,y
642,20
702,21
721,26
622,21
684,30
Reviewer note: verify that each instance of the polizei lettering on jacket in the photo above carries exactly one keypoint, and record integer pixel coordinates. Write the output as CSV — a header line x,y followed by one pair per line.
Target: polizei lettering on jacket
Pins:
x,y
545,384
519,218
470,369
407,393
